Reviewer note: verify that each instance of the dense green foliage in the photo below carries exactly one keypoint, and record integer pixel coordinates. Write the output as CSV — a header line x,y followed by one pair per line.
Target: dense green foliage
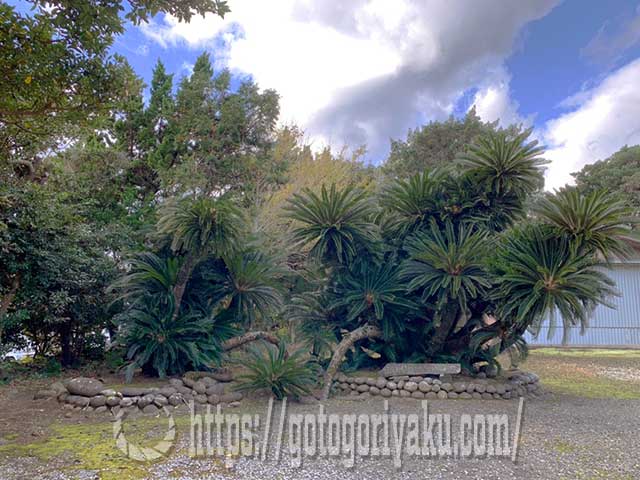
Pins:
x,y
452,269
618,174
181,222
436,144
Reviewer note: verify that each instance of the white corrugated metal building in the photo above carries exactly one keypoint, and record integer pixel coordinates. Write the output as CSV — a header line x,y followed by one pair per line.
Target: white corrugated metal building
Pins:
x,y
619,327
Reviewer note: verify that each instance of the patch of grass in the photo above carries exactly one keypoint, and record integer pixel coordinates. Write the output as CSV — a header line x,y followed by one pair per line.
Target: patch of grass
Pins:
x,y
93,447
561,446
586,352
578,374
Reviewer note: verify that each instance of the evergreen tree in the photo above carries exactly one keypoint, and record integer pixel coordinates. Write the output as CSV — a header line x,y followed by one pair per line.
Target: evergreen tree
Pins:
x,y
158,134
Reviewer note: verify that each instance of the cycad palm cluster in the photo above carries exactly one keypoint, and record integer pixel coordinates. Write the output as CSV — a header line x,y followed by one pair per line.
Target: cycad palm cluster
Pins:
x,y
204,283
451,266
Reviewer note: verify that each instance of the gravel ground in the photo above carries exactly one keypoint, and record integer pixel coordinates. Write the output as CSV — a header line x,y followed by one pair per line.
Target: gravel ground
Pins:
x,y
562,438
563,435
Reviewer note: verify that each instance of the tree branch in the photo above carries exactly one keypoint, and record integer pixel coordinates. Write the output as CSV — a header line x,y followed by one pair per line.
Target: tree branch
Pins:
x,y
360,333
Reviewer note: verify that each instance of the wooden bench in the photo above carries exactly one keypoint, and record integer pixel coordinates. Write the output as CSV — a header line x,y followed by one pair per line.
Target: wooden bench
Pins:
x,y
419,369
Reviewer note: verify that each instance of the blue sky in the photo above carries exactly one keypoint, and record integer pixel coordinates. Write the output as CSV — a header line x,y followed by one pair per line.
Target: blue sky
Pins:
x,y
364,71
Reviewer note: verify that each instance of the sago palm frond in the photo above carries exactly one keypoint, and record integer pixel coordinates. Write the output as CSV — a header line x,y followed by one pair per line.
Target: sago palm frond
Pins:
x,y
373,293
148,275
447,265
540,274
505,163
246,284
167,344
273,370
201,225
336,223
596,221
411,203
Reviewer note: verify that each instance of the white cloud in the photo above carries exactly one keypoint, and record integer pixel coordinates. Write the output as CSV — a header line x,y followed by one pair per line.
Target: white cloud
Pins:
x,y
605,118
365,70
493,102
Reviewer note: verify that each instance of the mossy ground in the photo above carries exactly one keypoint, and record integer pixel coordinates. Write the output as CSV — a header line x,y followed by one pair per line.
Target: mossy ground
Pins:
x,y
92,447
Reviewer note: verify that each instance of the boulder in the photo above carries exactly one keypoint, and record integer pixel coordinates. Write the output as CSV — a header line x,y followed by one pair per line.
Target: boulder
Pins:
x,y
188,382
101,409
424,387
98,401
112,401
442,395
150,409
231,397
199,387
160,400
184,390
208,381
43,394
213,399
136,391
78,400
381,383
417,394
167,391
109,392
87,387
175,399
217,389
146,400
385,392
411,386
371,382
201,398
374,390
126,402
58,387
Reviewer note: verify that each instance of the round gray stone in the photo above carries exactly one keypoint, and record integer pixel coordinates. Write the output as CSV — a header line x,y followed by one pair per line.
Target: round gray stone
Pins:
x,y
411,386
424,387
98,401
87,387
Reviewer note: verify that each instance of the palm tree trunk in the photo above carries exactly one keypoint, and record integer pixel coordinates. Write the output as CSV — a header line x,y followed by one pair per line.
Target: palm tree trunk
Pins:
x,y
448,321
184,274
360,333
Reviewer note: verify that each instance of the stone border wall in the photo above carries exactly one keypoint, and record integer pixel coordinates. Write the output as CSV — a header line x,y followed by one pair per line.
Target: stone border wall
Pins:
x,y
516,384
88,394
